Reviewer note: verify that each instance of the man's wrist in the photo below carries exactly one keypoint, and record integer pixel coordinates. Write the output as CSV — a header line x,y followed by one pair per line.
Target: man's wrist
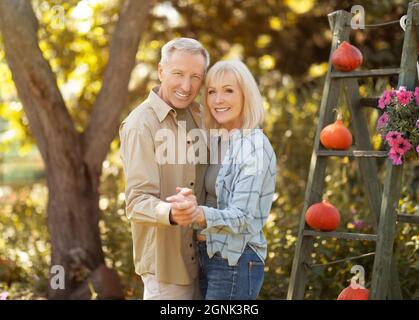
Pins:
x,y
172,222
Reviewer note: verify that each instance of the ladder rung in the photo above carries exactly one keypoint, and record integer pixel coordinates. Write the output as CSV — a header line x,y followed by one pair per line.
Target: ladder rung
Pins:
x,y
351,153
369,102
409,218
341,235
341,260
366,73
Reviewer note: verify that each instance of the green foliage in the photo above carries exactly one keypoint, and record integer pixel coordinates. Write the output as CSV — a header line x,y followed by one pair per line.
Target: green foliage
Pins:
x,y
24,246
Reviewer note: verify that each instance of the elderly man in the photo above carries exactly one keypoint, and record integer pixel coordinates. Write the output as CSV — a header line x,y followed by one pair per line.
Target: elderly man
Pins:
x,y
164,253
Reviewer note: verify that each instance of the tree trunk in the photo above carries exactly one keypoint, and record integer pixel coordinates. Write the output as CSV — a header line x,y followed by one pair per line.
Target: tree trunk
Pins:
x,y
73,216
73,161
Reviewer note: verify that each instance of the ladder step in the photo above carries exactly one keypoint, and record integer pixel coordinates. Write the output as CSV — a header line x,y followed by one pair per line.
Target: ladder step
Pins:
x,y
341,235
366,73
369,102
408,218
341,260
351,153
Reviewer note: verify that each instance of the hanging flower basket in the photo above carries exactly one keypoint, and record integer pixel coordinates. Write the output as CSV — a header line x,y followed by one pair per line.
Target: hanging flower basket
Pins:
x,y
399,123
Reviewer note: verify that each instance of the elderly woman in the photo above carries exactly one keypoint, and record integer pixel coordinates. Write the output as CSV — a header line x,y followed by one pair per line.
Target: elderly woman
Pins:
x,y
239,183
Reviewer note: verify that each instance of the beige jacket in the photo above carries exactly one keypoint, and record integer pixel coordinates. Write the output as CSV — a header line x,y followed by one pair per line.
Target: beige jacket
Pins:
x,y
159,248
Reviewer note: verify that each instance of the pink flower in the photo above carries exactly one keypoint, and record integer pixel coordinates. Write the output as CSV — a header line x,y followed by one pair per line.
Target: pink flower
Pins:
x,y
401,145
417,95
391,136
382,120
4,295
393,93
358,224
417,123
404,96
395,157
417,148
384,100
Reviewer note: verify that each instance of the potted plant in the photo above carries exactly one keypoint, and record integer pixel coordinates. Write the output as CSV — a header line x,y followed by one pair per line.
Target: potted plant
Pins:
x,y
399,123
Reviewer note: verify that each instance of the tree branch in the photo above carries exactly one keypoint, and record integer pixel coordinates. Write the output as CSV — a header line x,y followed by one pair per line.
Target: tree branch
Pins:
x,y
36,85
111,100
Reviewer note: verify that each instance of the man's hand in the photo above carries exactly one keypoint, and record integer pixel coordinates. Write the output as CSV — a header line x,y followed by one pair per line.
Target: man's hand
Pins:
x,y
183,207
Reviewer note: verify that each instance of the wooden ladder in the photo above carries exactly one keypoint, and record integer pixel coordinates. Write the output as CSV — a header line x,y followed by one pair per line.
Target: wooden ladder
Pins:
x,y
383,204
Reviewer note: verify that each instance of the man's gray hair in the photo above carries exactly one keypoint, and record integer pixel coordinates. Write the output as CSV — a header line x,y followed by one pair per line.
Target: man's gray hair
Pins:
x,y
185,44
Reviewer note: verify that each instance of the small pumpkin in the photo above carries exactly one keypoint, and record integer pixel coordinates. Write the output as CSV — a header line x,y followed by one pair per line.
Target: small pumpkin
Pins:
x,y
346,57
354,292
323,216
336,136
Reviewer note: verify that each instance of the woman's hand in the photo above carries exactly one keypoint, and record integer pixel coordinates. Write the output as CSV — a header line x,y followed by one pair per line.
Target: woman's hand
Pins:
x,y
183,207
201,217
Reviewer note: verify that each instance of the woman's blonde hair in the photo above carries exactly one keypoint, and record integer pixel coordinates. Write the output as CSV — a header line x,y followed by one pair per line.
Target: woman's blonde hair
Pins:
x,y
253,112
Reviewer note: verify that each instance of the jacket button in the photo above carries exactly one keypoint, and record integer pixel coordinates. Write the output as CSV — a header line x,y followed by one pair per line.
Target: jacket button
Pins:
x,y
191,184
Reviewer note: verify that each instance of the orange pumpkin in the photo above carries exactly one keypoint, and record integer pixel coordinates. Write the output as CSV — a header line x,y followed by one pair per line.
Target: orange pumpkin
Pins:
x,y
323,216
356,292
346,57
336,135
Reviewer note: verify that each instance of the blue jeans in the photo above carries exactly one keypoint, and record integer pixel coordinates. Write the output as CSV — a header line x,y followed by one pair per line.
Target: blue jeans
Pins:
x,y
219,281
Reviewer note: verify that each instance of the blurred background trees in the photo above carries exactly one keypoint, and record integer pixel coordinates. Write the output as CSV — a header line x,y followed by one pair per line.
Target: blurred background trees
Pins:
x,y
73,158
286,45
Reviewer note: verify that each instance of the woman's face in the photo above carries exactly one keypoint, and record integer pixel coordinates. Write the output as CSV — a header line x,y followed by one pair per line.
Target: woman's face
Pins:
x,y
225,101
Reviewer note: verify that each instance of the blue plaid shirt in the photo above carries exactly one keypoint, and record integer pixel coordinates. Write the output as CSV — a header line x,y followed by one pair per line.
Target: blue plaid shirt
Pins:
x,y
244,188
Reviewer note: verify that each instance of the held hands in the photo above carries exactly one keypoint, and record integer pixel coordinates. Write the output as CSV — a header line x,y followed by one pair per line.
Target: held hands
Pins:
x,y
184,208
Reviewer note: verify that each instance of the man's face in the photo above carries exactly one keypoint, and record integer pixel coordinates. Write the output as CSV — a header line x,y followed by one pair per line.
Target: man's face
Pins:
x,y
181,78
